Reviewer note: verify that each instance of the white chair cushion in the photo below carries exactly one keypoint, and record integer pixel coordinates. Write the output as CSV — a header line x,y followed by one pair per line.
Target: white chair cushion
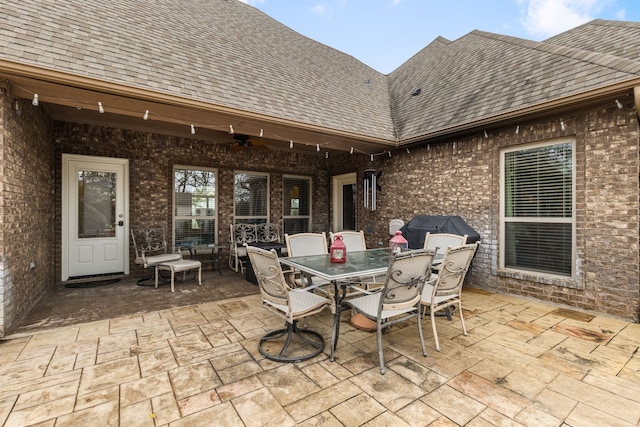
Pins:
x,y
368,305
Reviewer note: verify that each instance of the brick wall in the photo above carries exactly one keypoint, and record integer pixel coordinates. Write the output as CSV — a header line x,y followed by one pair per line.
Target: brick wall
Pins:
x,y
26,210
462,177
151,160
456,177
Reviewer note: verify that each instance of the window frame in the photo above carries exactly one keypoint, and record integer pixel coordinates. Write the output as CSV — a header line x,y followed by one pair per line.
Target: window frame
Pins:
x,y
175,217
541,220
238,219
310,201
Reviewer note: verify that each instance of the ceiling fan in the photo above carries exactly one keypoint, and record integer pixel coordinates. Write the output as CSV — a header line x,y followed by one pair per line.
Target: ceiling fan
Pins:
x,y
243,142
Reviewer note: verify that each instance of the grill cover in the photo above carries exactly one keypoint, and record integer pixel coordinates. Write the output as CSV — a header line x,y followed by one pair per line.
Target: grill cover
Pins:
x,y
415,230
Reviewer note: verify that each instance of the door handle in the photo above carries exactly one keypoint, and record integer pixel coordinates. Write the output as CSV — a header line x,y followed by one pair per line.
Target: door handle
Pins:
x,y
120,223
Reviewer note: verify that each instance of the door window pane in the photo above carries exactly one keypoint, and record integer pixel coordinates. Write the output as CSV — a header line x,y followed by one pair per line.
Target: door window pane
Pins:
x,y
96,204
195,209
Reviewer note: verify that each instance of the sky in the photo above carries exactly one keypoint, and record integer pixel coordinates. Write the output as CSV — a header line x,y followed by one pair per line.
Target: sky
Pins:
x,y
385,33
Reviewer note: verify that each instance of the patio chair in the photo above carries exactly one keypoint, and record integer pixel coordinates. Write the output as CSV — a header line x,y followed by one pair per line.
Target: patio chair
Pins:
x,y
399,298
151,250
268,232
289,303
395,225
441,241
355,241
241,235
444,290
303,244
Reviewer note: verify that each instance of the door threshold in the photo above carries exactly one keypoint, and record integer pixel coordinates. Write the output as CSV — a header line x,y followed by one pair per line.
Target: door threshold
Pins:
x,y
94,278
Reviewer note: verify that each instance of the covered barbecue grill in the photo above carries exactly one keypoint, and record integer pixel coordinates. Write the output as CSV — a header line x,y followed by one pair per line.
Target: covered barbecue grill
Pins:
x,y
416,229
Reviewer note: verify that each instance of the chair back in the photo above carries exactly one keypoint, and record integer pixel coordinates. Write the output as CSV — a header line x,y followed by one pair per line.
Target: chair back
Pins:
x,y
353,240
273,286
442,241
395,225
407,274
268,232
303,244
243,233
148,241
453,269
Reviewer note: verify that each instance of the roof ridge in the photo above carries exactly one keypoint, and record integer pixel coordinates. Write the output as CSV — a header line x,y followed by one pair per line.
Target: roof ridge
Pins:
x,y
597,22
605,60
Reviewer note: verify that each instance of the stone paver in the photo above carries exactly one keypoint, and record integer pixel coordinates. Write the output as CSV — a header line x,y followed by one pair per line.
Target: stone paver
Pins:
x,y
523,363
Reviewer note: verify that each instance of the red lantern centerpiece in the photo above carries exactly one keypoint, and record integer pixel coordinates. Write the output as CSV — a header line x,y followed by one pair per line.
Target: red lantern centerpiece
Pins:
x,y
398,243
338,251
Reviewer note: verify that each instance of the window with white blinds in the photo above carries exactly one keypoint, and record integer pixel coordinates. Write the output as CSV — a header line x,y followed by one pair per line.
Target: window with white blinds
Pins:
x,y
251,197
297,204
537,204
194,207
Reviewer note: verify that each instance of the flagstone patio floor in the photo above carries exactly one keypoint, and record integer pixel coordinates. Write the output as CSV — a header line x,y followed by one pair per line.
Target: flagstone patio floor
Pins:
x,y
523,363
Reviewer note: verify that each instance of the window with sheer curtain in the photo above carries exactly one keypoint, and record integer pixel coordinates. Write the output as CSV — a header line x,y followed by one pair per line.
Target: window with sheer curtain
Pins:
x,y
297,204
538,186
194,206
251,198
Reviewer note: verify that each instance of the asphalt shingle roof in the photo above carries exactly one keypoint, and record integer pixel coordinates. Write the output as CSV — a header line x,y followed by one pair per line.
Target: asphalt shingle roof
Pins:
x,y
483,75
227,53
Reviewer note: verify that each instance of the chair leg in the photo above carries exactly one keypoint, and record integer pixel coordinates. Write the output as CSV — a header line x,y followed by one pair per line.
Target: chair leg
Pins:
x,y
173,275
200,276
380,354
433,326
311,338
419,321
464,328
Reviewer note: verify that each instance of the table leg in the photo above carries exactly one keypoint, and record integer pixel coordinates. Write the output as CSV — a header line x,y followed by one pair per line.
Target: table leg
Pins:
x,y
214,261
335,332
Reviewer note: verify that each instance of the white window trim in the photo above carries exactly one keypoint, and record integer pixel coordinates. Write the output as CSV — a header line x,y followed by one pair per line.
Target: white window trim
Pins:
x,y
553,278
265,217
309,217
173,201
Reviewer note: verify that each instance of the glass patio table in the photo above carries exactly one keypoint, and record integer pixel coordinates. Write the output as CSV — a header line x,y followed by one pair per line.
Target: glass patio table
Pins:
x,y
371,262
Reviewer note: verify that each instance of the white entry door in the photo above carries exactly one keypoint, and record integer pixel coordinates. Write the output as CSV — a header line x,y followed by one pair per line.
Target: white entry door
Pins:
x,y
94,216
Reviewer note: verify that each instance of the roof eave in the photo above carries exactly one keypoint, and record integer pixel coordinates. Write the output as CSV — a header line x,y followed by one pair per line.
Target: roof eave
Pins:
x,y
84,92
538,110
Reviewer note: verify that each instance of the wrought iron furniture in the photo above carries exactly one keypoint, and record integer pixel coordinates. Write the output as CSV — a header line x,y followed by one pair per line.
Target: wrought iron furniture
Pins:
x,y
151,250
241,234
199,252
445,289
181,265
399,298
319,270
249,234
292,304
